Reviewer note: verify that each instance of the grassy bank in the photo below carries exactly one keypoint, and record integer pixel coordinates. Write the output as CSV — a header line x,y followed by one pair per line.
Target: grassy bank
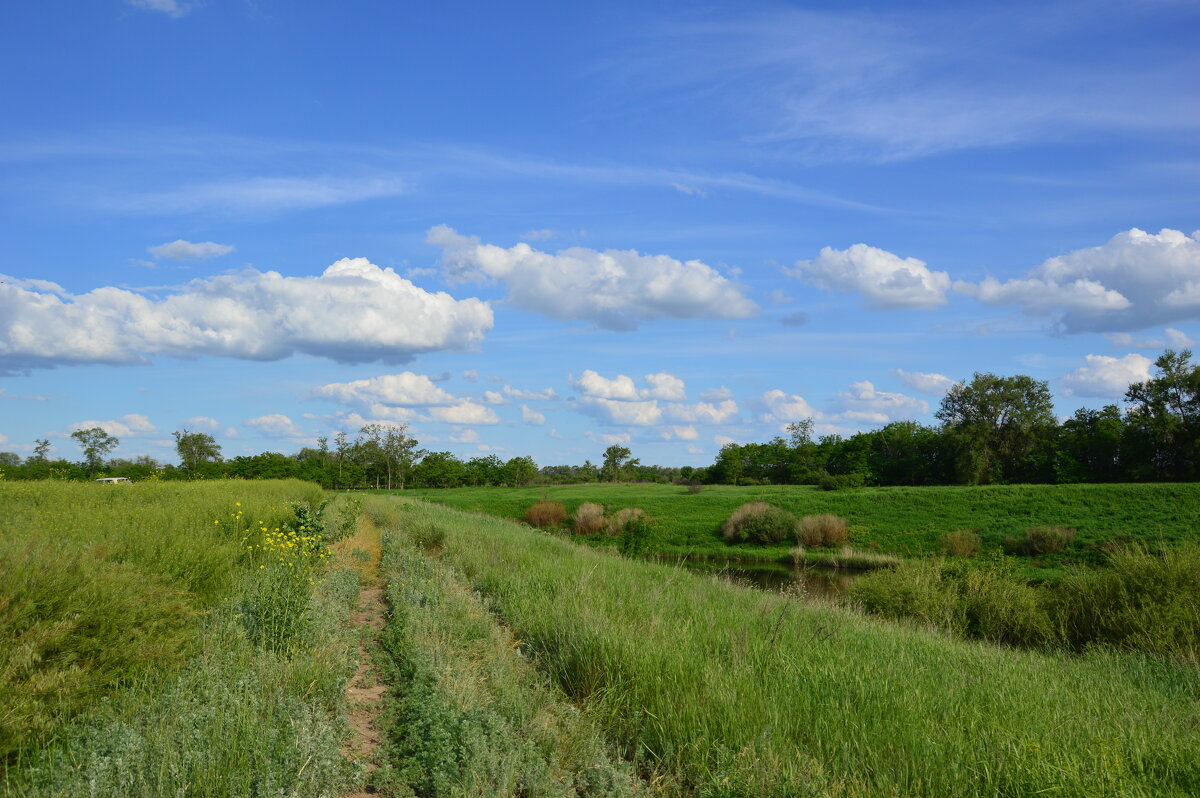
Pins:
x,y
906,521
722,690
163,638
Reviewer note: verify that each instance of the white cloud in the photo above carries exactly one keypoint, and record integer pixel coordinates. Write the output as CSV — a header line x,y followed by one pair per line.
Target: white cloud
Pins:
x,y
530,396
1172,339
691,191
275,425
659,386
885,280
201,423
1135,280
591,383
1106,377
615,289
541,234
392,413
186,250
786,408
778,297
926,382
723,440
405,388
620,437
256,195
471,375
353,312
3,439
465,412
495,398
862,403
682,433
127,426
716,394
466,436
638,414
703,412
553,433
532,416
172,8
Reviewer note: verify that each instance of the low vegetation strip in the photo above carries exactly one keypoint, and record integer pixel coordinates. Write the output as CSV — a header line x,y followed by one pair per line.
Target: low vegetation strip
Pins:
x,y
718,689
170,639
469,716
899,520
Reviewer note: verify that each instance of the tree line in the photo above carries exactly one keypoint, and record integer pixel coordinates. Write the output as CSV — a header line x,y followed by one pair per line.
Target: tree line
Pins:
x,y
993,429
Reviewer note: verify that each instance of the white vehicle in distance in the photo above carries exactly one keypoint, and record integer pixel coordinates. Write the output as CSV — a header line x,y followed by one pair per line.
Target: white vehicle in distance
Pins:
x,y
114,481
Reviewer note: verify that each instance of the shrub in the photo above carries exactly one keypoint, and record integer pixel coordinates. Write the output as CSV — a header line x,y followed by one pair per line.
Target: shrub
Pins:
x,y
823,530
1040,540
827,481
546,513
797,555
589,519
634,536
621,519
961,543
759,522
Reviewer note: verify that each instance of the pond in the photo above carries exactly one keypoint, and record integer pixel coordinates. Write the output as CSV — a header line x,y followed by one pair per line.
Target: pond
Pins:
x,y
817,582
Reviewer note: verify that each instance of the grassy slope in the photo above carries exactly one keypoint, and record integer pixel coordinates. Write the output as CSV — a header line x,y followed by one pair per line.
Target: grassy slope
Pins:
x,y
729,691
902,520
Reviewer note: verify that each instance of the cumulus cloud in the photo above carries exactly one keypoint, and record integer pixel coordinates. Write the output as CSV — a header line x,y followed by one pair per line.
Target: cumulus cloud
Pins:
x,y
885,280
530,396
863,403
186,250
1135,280
926,382
658,386
786,408
681,433
532,416
471,375
465,436
465,412
619,437
1106,377
614,289
127,426
353,312
405,388
716,394
703,412
495,398
723,440
201,422
624,413
275,425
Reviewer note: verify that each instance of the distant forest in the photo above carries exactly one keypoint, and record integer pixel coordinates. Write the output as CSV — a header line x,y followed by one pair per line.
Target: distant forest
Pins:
x,y
992,429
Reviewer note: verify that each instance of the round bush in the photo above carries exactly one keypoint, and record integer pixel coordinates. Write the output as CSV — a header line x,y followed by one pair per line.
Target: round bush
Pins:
x,y
759,522
589,519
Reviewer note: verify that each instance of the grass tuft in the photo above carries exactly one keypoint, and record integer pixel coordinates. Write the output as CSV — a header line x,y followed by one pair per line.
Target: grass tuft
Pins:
x,y
546,514
589,519
822,530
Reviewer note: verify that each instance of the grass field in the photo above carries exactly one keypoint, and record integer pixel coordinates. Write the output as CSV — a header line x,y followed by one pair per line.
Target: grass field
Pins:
x,y
906,521
718,690
164,638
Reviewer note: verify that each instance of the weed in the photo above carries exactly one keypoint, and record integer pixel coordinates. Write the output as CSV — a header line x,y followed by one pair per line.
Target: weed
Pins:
x,y
621,519
961,543
546,514
589,519
822,530
759,522
1041,540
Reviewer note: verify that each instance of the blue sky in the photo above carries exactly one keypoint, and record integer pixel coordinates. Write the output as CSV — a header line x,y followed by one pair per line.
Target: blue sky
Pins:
x,y
542,228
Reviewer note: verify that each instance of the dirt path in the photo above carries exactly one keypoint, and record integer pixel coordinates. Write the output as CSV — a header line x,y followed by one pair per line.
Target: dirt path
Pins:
x,y
364,693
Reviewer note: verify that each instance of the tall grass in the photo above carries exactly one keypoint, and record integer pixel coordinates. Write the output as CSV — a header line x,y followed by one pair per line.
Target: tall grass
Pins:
x,y
723,690
156,639
470,717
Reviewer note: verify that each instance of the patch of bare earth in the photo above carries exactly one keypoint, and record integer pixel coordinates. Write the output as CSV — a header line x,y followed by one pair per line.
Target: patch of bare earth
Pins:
x,y
364,693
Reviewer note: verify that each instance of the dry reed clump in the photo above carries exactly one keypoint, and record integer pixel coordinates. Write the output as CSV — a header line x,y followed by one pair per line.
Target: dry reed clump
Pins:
x,y
589,519
546,513
1040,540
823,530
961,543
758,522
622,519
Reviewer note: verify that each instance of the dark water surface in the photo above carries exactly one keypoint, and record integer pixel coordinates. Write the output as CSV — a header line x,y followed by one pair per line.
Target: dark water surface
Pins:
x,y
813,581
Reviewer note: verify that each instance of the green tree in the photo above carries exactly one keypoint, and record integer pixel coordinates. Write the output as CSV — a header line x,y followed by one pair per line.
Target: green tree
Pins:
x,y
998,424
95,443
616,458
195,449
1165,415
520,471
41,448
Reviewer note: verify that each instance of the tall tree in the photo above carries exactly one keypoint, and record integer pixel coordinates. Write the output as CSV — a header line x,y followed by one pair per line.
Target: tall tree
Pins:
x,y
95,443
999,423
1165,414
195,449
616,460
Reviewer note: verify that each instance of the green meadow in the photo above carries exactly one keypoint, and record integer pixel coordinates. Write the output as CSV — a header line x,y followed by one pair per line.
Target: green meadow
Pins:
x,y
901,520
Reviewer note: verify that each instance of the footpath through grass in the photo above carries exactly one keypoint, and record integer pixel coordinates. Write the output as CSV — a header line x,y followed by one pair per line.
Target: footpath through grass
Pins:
x,y
719,690
170,638
907,521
